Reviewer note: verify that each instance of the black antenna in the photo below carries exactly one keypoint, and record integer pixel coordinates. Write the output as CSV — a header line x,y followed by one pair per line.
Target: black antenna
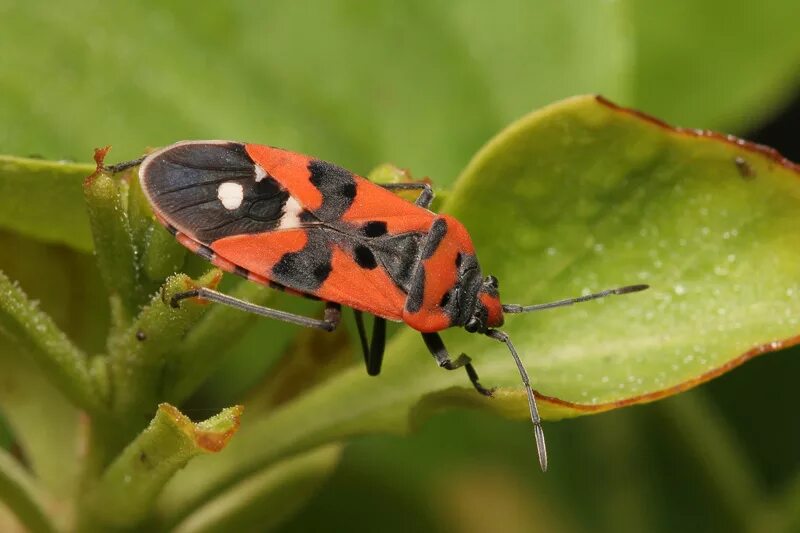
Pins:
x,y
515,308
541,448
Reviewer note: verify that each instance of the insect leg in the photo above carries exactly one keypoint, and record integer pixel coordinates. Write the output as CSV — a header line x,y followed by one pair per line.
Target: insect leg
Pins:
x,y
373,352
125,165
425,196
434,343
331,318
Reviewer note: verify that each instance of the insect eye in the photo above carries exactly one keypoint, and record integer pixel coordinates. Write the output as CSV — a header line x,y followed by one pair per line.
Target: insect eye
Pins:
x,y
492,281
472,325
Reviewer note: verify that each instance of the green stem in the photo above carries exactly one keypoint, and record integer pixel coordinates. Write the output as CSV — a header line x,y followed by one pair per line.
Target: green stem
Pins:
x,y
127,489
64,364
113,243
19,491
712,442
139,354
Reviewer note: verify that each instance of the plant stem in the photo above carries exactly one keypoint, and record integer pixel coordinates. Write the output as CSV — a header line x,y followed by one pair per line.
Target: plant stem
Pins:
x,y
124,494
65,365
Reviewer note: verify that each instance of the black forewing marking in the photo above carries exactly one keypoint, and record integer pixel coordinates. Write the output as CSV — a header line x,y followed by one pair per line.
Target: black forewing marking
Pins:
x,y
183,183
308,268
338,188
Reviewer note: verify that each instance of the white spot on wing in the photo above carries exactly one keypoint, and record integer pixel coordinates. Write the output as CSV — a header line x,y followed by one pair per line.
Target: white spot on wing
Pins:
x,y
230,194
260,173
291,214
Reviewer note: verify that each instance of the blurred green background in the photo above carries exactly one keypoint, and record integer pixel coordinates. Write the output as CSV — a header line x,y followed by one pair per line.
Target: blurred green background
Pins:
x,y
424,84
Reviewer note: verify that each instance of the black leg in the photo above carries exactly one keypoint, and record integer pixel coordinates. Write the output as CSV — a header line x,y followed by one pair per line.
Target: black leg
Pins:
x,y
331,319
434,343
373,352
425,196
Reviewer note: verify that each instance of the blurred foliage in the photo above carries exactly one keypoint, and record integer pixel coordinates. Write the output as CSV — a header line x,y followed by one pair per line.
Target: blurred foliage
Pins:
x,y
422,84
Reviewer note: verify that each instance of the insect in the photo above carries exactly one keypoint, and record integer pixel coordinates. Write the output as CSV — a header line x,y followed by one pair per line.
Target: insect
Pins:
x,y
311,228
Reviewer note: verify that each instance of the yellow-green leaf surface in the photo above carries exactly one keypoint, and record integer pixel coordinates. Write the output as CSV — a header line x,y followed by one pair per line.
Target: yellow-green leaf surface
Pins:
x,y
578,197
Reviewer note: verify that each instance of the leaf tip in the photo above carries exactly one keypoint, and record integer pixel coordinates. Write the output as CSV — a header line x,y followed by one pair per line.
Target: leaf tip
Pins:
x,y
223,427
210,435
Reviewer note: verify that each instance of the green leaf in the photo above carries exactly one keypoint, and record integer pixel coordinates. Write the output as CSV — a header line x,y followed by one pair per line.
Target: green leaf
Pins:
x,y
581,196
21,494
43,199
603,196
126,491
267,498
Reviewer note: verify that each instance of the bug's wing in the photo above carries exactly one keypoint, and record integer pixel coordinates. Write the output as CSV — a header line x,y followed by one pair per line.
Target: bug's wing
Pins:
x,y
209,190
304,223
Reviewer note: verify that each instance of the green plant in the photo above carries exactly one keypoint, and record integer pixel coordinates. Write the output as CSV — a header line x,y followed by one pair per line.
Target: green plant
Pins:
x,y
422,83
632,200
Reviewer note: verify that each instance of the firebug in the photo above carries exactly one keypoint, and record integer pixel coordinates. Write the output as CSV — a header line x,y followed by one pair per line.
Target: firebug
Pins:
x,y
314,229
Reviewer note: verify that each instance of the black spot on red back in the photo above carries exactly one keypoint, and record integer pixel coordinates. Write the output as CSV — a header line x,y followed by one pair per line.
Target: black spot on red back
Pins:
x,y
374,228
364,257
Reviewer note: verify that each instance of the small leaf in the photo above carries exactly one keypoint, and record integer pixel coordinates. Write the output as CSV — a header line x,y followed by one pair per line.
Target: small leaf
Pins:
x,y
42,199
126,491
267,498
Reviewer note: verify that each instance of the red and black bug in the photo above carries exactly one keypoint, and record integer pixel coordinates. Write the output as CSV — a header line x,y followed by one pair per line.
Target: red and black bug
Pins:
x,y
303,225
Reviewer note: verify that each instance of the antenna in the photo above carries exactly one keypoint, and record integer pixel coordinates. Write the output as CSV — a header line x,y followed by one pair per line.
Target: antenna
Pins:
x,y
541,448
515,308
